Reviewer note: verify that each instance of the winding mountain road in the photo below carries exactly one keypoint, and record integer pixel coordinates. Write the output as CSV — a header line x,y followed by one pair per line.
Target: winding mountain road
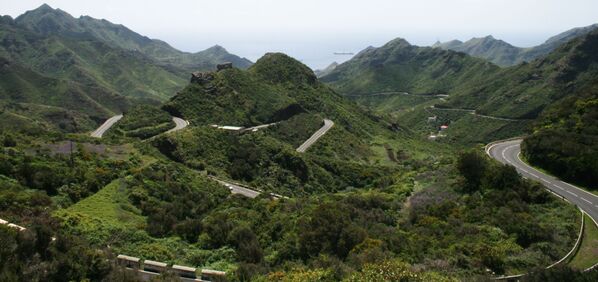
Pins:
x,y
179,124
508,152
243,190
328,124
389,93
473,112
105,126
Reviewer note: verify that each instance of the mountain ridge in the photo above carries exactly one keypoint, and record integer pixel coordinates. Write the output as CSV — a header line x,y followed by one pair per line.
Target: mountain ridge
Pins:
x,y
504,54
49,21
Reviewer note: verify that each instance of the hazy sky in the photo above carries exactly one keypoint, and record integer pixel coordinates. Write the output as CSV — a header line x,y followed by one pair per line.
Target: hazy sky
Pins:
x,y
311,30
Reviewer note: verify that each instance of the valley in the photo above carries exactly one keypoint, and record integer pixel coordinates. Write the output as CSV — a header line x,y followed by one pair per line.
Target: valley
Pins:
x,y
125,159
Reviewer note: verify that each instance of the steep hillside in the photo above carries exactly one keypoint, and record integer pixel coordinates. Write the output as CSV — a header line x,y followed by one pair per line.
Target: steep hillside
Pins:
x,y
326,70
85,60
275,88
30,98
496,51
505,54
400,66
48,21
483,103
565,138
279,89
524,91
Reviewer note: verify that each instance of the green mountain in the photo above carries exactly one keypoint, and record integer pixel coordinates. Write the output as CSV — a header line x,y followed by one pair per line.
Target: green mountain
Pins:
x,y
400,66
524,91
326,70
565,136
48,21
279,89
88,68
35,103
505,54
505,100
84,59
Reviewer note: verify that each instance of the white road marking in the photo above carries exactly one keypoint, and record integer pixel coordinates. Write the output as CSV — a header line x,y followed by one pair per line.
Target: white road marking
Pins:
x,y
586,201
545,180
572,193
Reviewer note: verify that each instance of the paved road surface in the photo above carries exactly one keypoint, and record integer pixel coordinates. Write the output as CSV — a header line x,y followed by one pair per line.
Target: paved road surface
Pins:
x,y
508,152
327,126
258,127
473,112
243,190
237,189
179,124
105,126
395,93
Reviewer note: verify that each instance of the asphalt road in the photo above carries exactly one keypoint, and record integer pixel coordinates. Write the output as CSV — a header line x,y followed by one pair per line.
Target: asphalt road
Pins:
x,y
242,190
179,124
395,93
105,126
327,126
508,152
473,112
236,189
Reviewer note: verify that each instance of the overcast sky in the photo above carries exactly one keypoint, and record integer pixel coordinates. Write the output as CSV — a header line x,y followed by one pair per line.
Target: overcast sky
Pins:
x,y
312,30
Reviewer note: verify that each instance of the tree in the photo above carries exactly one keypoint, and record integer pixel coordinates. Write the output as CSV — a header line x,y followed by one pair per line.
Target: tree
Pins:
x,y
472,167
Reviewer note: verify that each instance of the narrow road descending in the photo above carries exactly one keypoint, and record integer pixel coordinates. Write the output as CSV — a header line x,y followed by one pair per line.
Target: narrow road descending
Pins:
x,y
105,126
179,124
396,93
508,152
243,190
327,126
236,189
473,112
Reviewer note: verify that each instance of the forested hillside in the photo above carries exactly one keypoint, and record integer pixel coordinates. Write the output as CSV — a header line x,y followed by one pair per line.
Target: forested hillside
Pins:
x,y
373,173
48,21
505,54
400,66
565,139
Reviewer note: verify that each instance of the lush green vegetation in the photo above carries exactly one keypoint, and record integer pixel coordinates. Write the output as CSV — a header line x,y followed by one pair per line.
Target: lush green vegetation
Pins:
x,y
370,201
49,21
400,66
84,59
565,140
505,54
519,92
141,121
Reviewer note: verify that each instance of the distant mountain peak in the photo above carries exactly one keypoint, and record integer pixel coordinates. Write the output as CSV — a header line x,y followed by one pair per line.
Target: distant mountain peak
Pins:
x,y
217,48
504,54
398,42
44,7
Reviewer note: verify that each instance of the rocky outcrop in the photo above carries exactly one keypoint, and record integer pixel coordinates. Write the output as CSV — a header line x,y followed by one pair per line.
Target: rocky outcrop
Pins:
x,y
201,78
224,66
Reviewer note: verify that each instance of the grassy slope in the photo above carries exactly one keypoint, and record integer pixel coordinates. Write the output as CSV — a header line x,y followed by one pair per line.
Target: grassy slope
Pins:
x,y
399,66
50,21
524,91
519,92
587,253
141,121
86,60
504,54
276,88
